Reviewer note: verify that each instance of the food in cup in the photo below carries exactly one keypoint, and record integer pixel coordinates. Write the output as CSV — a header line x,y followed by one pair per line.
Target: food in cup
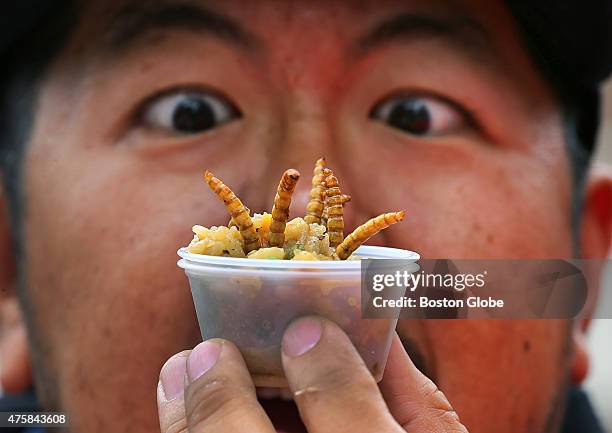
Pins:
x,y
365,232
251,278
316,202
240,214
251,302
317,236
280,210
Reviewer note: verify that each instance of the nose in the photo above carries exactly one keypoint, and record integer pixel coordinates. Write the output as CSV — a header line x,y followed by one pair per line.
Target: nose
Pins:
x,y
305,134
308,132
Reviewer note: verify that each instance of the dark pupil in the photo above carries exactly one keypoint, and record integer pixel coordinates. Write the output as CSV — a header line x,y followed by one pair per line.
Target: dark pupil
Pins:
x,y
410,115
193,115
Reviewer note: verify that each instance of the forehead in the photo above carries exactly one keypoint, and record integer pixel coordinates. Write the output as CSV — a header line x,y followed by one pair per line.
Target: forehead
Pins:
x,y
275,23
289,11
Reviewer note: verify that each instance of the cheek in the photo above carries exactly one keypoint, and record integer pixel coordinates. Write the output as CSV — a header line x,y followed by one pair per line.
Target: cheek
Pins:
x,y
120,306
462,199
507,373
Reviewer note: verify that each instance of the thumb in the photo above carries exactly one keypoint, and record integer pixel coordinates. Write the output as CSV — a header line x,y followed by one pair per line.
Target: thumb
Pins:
x,y
413,399
209,390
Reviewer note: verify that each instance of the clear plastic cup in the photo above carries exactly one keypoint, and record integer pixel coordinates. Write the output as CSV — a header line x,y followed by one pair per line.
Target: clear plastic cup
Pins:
x,y
250,302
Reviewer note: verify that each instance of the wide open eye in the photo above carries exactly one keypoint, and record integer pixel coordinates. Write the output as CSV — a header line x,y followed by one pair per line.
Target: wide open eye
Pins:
x,y
187,112
419,115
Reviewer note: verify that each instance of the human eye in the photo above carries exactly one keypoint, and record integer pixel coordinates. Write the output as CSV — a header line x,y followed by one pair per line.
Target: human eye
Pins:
x,y
420,115
188,112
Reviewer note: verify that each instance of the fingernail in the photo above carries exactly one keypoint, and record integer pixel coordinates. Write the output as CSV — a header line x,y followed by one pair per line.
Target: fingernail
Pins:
x,y
202,358
301,336
172,377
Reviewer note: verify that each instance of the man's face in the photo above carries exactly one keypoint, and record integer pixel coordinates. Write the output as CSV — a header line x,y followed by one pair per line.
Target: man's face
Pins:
x,y
432,107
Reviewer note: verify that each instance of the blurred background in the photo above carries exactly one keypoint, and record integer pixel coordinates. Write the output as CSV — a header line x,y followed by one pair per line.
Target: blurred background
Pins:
x,y
599,383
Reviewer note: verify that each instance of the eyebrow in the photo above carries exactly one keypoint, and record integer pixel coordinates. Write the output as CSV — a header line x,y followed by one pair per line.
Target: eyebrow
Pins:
x,y
452,27
134,22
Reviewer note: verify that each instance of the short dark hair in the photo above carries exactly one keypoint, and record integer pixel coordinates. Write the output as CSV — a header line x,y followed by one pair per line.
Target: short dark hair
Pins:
x,y
574,67
26,63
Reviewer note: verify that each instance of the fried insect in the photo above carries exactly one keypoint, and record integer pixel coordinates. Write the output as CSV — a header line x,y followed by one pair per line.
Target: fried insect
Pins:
x,y
345,199
316,202
232,223
280,211
239,213
366,231
334,203
321,232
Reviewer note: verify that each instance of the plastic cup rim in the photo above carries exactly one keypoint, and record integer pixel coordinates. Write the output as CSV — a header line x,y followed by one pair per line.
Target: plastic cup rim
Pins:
x,y
190,260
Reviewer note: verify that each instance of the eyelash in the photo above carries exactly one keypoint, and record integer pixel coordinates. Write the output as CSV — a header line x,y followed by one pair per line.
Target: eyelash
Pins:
x,y
471,117
469,114
137,115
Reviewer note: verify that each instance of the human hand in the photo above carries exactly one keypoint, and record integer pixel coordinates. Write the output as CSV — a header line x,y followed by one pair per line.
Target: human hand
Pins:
x,y
209,389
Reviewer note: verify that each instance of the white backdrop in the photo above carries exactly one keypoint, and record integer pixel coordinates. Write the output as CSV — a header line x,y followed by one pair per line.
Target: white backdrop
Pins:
x,y
599,382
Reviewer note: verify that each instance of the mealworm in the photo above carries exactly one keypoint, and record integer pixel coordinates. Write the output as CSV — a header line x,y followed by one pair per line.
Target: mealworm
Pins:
x,y
239,213
314,208
366,231
232,223
280,211
345,199
335,212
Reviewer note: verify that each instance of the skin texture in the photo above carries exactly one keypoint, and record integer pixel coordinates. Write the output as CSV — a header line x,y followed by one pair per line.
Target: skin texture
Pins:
x,y
109,200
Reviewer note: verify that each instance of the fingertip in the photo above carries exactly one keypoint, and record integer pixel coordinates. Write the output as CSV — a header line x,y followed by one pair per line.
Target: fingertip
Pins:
x,y
301,336
202,358
171,376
